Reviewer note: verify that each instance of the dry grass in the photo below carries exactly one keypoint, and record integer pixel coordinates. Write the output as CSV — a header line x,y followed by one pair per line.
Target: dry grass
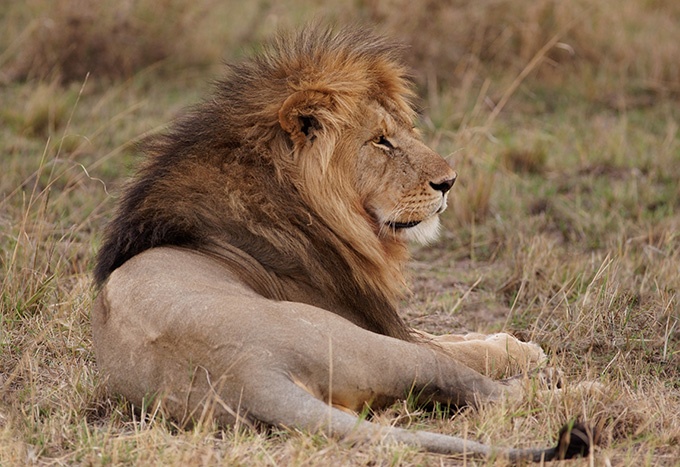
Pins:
x,y
633,41
614,47
563,228
65,40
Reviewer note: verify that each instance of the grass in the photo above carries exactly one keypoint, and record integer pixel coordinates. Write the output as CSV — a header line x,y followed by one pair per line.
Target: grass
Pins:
x,y
564,229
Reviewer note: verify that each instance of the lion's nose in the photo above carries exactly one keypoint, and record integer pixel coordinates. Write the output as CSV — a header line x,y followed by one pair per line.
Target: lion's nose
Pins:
x,y
445,185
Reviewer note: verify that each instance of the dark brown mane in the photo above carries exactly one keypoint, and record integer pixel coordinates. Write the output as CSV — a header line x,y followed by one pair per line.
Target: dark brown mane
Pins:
x,y
226,171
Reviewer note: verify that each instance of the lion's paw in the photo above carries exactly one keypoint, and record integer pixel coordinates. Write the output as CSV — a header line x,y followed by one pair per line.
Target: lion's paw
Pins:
x,y
522,356
496,355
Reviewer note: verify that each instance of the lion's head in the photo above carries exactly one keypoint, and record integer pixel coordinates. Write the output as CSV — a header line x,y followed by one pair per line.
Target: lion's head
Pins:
x,y
402,183
307,160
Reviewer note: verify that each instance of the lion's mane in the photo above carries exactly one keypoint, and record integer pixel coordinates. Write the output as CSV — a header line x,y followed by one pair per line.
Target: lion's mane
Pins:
x,y
228,172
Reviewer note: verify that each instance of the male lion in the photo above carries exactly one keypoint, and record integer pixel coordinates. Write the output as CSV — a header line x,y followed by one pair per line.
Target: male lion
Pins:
x,y
254,265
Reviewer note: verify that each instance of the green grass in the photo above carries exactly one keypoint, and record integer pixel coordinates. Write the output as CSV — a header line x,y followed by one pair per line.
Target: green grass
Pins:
x,y
564,229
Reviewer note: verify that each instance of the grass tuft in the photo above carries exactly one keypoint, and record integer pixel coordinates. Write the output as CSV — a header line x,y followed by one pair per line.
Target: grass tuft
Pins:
x,y
528,161
46,110
70,39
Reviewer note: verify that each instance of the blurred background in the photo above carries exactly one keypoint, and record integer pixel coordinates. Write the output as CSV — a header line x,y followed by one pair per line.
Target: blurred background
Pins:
x,y
610,46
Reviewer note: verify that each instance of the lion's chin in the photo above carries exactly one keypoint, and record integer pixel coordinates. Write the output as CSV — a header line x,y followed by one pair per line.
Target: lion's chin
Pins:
x,y
422,232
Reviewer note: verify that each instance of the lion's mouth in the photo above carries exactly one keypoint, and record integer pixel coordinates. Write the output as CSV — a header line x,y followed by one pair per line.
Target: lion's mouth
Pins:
x,y
402,225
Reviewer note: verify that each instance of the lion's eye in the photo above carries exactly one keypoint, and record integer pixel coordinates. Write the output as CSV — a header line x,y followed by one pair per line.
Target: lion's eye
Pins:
x,y
383,142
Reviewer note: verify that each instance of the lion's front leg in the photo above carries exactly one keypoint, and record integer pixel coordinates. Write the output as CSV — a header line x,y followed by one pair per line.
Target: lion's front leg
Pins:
x,y
495,355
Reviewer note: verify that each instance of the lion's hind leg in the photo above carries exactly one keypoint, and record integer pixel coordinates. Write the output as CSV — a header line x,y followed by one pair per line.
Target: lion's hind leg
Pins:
x,y
497,355
285,404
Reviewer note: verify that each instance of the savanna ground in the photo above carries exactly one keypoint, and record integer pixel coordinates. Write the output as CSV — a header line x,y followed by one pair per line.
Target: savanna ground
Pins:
x,y
562,119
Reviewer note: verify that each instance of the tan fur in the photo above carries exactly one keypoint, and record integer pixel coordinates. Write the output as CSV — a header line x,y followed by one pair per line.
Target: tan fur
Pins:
x,y
254,265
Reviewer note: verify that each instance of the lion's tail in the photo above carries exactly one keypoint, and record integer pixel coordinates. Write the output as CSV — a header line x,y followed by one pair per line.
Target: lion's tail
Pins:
x,y
293,407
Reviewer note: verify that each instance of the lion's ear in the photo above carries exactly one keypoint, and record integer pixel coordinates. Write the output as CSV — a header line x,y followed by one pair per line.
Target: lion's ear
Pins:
x,y
299,115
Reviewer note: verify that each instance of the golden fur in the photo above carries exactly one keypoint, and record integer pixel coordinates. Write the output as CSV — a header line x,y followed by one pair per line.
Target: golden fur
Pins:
x,y
240,169
266,229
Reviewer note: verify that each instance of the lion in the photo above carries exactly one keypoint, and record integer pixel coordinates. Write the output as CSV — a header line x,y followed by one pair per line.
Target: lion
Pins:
x,y
254,266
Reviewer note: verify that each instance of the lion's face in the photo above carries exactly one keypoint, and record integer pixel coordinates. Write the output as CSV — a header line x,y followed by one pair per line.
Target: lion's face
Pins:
x,y
374,160
402,183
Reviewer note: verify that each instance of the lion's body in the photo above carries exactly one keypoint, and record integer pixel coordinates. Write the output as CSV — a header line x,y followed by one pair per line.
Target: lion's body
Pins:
x,y
255,263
